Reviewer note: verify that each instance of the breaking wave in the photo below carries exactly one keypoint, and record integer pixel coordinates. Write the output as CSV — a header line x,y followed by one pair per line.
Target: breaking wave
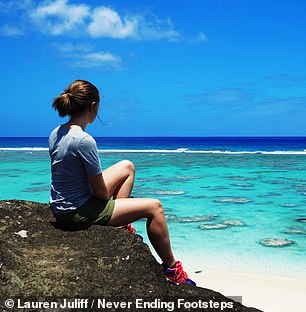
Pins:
x,y
166,151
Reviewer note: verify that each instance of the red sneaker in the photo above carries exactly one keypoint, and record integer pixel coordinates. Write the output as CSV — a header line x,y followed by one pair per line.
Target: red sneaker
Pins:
x,y
177,275
130,228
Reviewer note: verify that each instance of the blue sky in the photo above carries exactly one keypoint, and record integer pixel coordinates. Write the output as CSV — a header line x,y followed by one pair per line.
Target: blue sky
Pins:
x,y
164,68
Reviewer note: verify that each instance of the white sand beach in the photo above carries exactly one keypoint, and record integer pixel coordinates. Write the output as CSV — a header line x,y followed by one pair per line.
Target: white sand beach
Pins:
x,y
268,293
267,288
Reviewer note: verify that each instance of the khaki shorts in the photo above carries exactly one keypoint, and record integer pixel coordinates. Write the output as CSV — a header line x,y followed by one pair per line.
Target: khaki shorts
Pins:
x,y
94,211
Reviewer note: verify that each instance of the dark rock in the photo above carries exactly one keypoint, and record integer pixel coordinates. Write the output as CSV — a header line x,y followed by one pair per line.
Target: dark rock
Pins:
x,y
50,264
302,220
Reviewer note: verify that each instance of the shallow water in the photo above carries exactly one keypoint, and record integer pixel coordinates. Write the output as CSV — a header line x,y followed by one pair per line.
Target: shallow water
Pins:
x,y
262,195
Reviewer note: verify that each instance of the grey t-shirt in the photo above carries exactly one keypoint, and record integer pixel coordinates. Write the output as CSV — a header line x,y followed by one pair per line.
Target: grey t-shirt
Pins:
x,y
74,157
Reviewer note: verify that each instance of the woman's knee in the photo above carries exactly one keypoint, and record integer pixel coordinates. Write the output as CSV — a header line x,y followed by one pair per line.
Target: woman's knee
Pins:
x,y
157,207
128,166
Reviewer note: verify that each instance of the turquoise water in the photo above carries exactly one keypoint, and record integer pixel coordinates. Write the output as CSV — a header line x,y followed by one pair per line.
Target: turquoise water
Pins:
x,y
266,193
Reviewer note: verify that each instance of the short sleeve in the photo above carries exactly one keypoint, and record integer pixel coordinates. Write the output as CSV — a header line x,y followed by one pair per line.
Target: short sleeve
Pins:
x,y
88,152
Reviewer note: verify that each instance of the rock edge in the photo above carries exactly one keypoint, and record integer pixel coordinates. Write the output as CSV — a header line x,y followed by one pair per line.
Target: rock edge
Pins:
x,y
46,263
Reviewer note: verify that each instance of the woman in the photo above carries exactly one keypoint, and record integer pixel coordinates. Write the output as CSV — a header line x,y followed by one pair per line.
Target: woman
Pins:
x,y
81,194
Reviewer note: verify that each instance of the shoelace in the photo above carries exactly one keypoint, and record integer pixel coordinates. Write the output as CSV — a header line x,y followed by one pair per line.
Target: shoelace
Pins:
x,y
181,275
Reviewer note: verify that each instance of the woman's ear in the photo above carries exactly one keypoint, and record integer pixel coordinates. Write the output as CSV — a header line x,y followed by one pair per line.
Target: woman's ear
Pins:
x,y
94,107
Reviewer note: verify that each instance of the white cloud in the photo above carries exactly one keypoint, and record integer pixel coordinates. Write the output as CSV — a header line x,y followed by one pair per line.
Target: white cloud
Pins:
x,y
77,19
104,60
58,17
84,55
107,23
68,47
11,31
153,28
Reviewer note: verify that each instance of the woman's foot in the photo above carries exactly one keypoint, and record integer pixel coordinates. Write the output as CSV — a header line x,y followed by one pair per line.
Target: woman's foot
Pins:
x,y
129,228
176,274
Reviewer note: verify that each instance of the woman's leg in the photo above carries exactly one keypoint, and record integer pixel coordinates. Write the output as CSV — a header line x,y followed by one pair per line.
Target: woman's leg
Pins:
x,y
131,209
119,179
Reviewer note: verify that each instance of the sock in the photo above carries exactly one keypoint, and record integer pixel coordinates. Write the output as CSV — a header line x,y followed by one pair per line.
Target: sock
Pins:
x,y
170,267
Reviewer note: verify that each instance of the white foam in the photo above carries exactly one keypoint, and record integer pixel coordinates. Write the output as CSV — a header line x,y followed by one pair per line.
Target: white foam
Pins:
x,y
249,152
165,151
187,151
25,149
161,151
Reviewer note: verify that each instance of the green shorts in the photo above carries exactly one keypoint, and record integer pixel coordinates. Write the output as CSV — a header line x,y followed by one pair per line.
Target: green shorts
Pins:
x,y
94,211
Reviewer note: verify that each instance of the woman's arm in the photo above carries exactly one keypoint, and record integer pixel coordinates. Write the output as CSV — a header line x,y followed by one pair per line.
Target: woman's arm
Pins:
x,y
98,187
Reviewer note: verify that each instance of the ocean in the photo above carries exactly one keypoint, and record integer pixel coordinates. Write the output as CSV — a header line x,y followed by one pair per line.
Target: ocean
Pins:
x,y
231,202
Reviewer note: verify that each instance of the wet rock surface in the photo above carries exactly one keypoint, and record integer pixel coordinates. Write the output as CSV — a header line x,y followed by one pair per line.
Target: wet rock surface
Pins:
x,y
276,242
41,262
216,226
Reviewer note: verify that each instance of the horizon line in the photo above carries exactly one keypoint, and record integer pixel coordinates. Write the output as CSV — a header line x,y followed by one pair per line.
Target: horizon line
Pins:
x,y
179,136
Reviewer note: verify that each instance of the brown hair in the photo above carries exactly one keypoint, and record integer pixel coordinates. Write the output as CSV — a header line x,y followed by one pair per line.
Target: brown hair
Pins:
x,y
76,98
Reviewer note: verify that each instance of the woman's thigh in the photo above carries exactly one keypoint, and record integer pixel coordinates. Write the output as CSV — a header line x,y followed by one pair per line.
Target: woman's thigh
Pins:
x,y
128,210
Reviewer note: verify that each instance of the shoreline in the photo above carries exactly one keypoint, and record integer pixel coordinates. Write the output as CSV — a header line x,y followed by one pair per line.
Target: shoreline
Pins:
x,y
267,292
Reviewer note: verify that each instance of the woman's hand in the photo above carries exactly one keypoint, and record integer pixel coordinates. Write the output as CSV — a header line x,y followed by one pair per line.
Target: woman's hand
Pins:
x,y
98,187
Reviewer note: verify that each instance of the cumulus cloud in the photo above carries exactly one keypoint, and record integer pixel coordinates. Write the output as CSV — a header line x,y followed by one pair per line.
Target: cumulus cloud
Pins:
x,y
108,23
59,17
82,19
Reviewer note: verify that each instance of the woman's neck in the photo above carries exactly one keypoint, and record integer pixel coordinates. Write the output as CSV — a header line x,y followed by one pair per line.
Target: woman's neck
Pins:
x,y
81,121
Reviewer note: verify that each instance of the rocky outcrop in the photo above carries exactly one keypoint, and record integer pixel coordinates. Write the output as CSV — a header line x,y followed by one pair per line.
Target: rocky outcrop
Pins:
x,y
93,268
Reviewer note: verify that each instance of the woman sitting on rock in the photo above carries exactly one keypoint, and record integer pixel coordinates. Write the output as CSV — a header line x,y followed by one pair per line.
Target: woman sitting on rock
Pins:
x,y
82,194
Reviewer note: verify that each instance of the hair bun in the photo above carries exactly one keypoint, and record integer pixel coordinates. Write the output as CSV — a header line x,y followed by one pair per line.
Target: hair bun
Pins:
x,y
63,104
